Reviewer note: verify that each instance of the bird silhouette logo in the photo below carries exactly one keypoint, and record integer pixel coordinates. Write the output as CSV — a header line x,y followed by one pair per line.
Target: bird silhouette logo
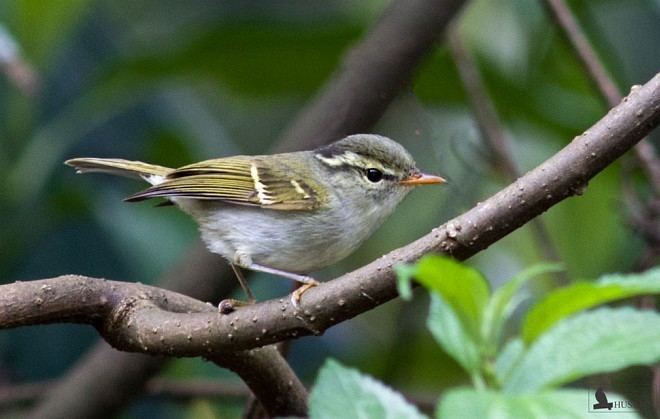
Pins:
x,y
601,397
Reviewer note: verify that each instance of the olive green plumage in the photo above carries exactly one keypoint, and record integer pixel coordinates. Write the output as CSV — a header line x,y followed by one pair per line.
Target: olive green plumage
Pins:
x,y
288,213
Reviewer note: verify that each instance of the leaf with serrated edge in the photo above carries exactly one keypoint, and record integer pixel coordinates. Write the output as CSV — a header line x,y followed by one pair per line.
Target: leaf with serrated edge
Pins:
x,y
451,334
502,303
603,340
583,295
508,358
342,392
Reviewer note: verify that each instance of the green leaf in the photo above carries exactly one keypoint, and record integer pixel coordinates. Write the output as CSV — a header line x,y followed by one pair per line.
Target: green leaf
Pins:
x,y
648,281
404,276
502,304
450,333
468,403
594,342
508,358
342,392
463,288
583,295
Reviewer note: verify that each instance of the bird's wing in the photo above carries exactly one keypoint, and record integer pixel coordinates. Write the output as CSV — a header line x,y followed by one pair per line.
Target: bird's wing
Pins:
x,y
246,180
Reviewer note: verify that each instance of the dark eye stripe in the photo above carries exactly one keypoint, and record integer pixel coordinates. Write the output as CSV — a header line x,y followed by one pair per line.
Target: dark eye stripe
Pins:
x,y
362,170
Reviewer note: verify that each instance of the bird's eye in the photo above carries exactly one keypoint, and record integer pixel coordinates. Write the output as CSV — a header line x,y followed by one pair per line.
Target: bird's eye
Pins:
x,y
374,175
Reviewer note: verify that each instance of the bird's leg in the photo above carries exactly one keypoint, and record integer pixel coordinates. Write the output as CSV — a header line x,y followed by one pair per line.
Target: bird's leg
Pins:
x,y
244,284
307,282
228,305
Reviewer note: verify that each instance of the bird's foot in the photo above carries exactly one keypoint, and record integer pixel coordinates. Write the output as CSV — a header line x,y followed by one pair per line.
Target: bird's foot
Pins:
x,y
297,294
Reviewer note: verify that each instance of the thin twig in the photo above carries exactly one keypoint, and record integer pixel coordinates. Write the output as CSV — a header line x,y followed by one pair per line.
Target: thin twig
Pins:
x,y
605,85
644,150
14,394
642,218
493,133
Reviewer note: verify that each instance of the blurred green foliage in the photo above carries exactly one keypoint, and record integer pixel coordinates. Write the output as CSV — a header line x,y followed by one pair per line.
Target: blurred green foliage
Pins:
x,y
522,377
172,82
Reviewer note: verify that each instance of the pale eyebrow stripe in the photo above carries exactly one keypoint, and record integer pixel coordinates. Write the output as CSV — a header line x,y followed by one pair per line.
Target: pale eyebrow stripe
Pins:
x,y
348,158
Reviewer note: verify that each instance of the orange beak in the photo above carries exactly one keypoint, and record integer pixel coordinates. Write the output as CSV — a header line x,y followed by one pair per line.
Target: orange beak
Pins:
x,y
417,179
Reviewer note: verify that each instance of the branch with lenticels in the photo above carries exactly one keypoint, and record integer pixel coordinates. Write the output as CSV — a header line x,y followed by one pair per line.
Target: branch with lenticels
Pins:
x,y
370,76
139,318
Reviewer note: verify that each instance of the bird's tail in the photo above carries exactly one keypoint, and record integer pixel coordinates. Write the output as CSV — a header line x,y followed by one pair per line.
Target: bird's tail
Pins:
x,y
150,172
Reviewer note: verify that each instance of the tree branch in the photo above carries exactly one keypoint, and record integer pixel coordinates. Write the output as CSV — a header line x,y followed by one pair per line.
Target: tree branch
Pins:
x,y
108,304
139,318
359,76
493,134
583,50
372,73
644,150
120,376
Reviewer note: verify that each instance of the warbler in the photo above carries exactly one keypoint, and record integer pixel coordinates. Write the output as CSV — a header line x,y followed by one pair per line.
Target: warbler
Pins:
x,y
286,214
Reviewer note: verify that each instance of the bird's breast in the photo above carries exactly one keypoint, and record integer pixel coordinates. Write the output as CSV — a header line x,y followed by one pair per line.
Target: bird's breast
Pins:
x,y
294,241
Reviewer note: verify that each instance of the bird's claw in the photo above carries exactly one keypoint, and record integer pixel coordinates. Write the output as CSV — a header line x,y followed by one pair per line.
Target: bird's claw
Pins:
x,y
297,294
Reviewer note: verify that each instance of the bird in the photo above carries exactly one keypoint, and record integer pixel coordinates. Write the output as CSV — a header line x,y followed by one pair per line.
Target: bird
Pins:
x,y
285,214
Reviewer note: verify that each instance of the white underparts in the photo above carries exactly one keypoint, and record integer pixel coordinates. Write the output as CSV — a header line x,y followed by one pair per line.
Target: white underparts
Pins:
x,y
153,179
